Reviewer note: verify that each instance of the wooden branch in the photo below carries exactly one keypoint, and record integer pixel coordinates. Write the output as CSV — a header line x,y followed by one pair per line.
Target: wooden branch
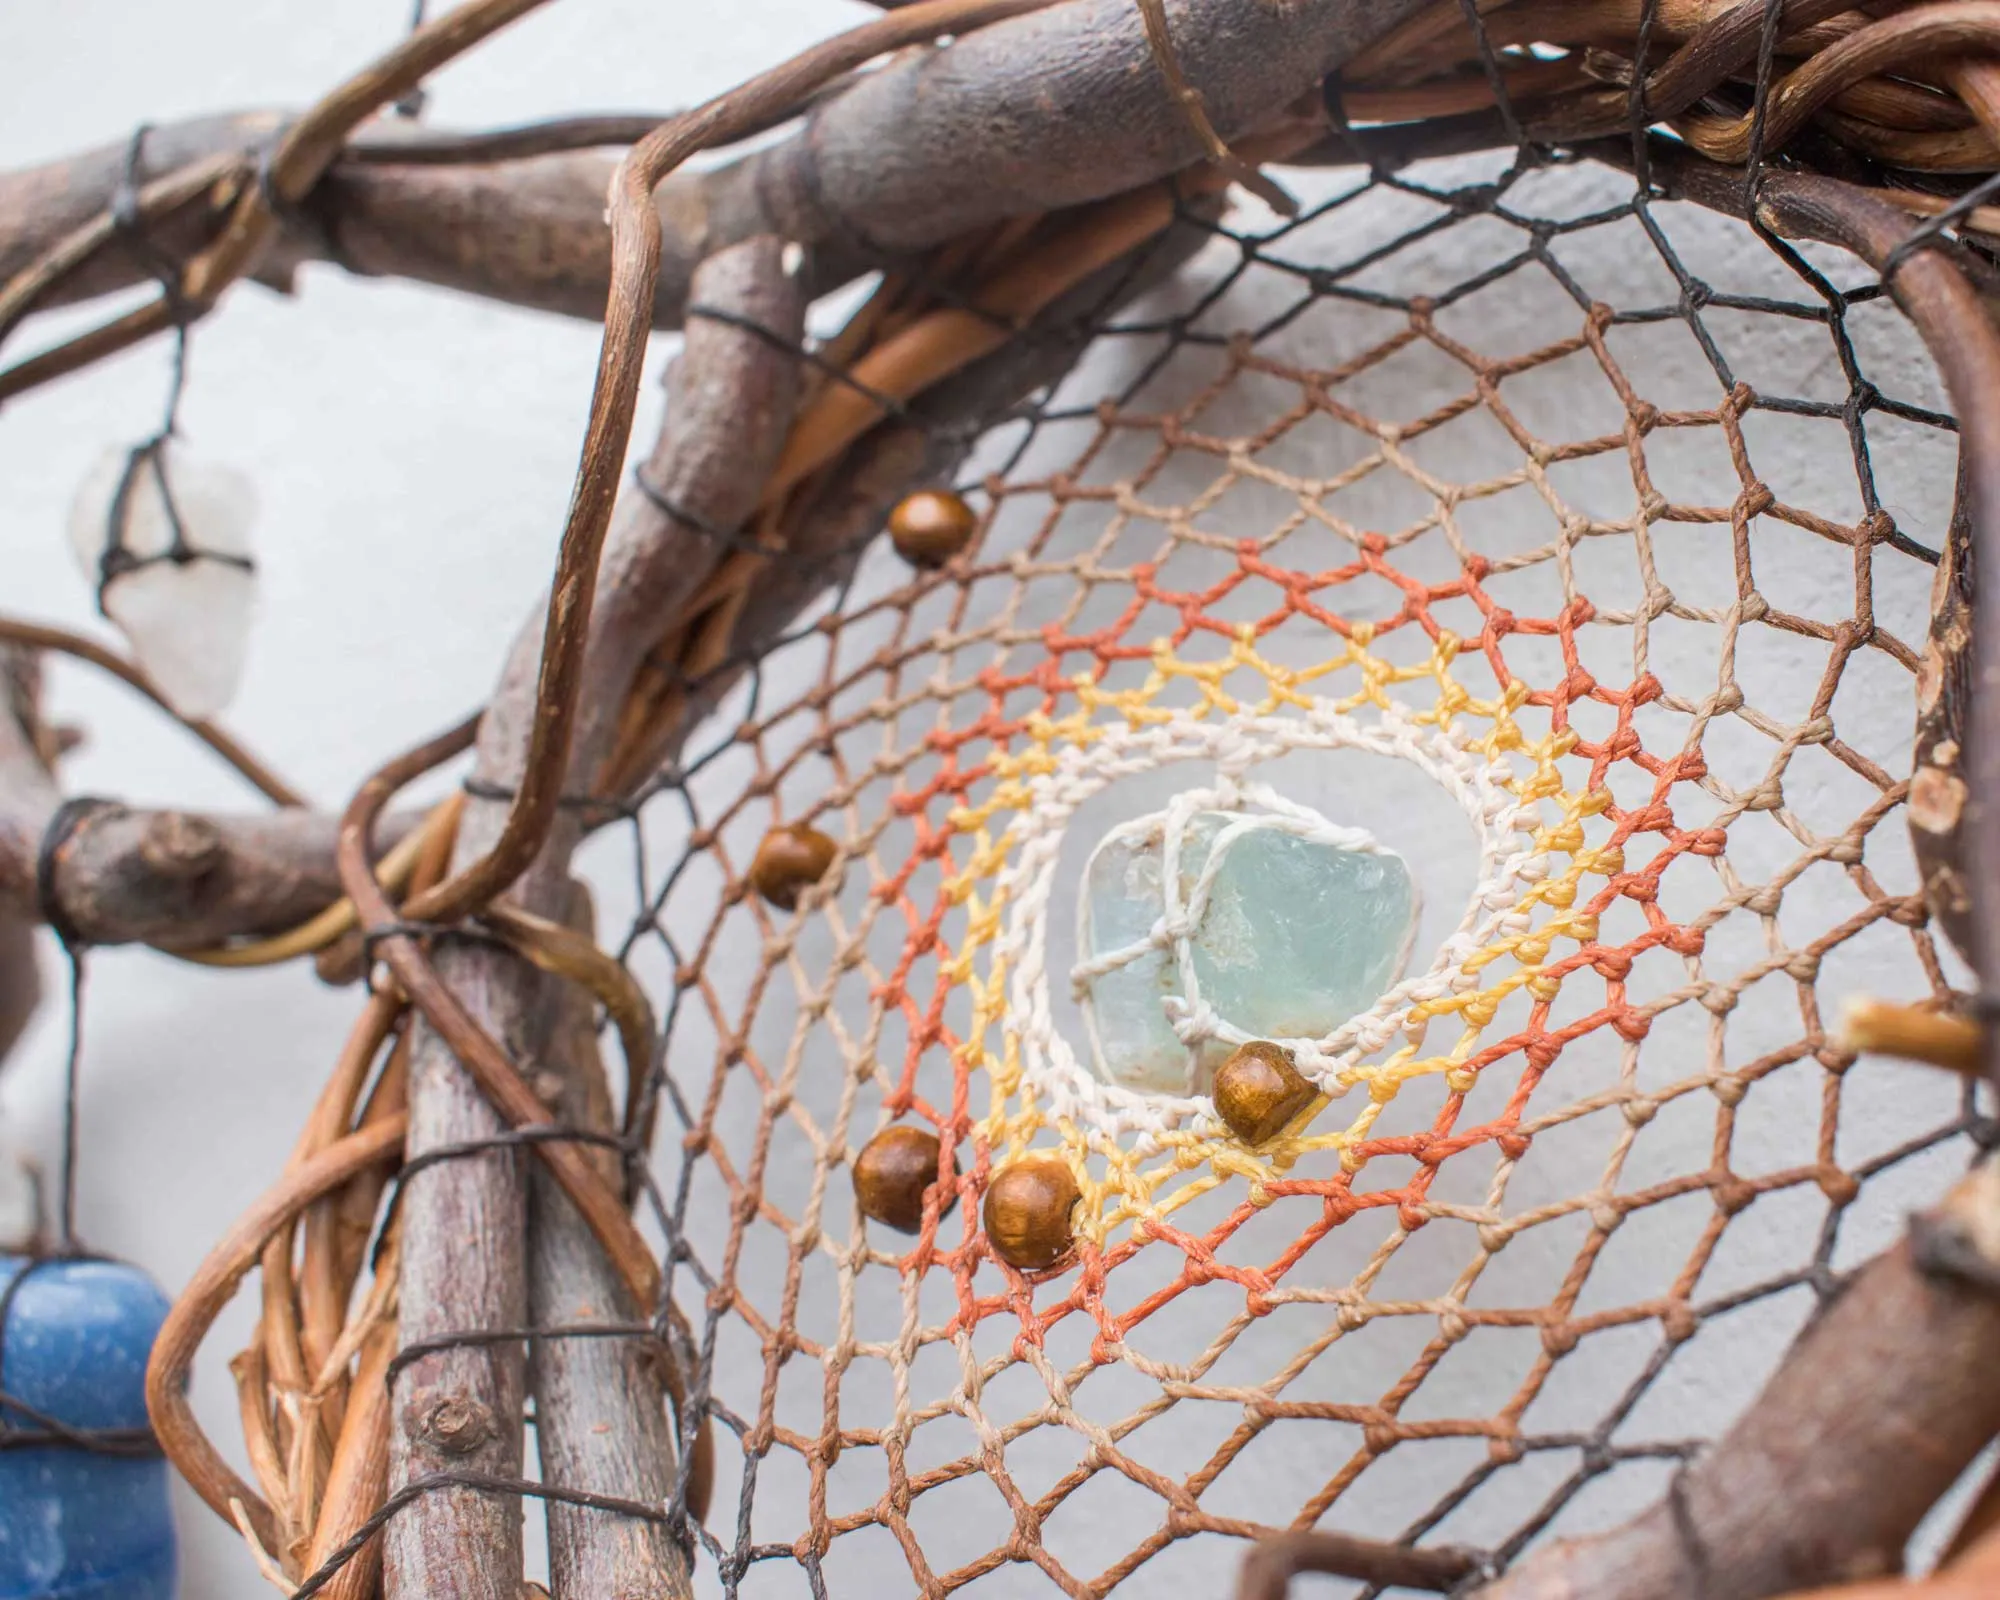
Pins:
x,y
854,501
20,977
1943,807
175,879
1871,1416
733,397
601,1418
181,880
921,151
1042,112
528,230
40,206
1272,1564
20,980
178,880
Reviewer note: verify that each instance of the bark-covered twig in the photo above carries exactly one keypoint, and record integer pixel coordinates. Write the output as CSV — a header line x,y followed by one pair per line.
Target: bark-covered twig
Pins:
x,y
116,874
41,636
20,978
919,152
601,1419
1943,807
179,880
1272,1564
1873,1414
731,407
296,161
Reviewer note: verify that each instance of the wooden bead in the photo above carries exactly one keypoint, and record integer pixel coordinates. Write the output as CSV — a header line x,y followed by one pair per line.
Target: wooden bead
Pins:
x,y
892,1174
931,526
789,861
1028,1208
1258,1091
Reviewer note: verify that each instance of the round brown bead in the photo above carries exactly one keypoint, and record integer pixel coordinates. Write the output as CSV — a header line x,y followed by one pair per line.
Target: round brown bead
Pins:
x,y
1028,1208
789,861
931,526
893,1173
1258,1091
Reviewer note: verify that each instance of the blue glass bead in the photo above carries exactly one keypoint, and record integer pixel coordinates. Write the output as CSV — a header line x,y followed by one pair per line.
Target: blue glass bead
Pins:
x,y
77,1524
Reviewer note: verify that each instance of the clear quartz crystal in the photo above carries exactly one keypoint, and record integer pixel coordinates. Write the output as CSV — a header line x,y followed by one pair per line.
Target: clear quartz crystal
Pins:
x,y
188,622
1297,937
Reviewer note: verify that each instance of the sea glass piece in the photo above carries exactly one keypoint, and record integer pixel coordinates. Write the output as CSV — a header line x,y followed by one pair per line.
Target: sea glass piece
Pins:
x,y
185,604
1298,935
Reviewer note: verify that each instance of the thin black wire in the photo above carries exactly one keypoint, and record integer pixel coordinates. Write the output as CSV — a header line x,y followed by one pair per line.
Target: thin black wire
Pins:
x,y
148,458
66,1241
44,1430
411,106
1767,65
1496,77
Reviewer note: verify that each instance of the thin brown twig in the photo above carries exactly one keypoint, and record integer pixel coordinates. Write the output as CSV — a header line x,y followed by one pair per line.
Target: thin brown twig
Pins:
x,y
1272,1564
303,153
424,147
40,636
19,294
1189,99
86,349
210,1288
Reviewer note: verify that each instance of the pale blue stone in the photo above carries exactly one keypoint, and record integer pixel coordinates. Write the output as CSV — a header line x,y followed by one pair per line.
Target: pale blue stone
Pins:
x,y
1297,937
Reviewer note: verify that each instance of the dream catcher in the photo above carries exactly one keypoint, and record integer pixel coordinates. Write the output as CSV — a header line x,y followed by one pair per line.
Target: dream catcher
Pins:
x,y
1218,830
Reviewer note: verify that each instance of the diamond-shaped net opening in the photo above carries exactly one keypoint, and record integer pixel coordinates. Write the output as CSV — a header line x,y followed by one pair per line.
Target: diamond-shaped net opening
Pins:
x,y
1578,545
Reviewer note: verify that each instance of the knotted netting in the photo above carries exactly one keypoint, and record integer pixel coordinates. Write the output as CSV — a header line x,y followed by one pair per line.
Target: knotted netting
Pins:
x,y
1575,542
1530,513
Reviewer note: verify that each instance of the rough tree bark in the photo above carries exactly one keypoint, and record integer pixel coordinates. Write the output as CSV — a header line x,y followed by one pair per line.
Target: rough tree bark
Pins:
x,y
1045,111
729,420
601,1417
1943,808
20,712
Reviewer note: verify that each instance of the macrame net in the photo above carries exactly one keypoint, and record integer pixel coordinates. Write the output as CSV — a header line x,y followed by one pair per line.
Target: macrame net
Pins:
x,y
1574,543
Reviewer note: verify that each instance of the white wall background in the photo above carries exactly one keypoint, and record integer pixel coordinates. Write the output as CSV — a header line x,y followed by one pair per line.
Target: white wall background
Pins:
x,y
406,445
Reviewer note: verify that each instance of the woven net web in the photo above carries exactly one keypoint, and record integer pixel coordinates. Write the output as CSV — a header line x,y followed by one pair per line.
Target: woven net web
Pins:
x,y
1574,543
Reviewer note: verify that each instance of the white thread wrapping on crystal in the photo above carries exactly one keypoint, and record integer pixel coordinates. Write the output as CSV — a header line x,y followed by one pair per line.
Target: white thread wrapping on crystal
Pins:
x,y
1195,1021
1064,1087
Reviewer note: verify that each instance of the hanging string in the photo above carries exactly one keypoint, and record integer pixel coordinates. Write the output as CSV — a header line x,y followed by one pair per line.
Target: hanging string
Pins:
x,y
70,816
116,558
66,1240
412,104
24,1426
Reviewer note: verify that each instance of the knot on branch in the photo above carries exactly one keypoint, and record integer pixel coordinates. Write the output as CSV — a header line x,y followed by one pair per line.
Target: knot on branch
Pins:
x,y
454,1424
